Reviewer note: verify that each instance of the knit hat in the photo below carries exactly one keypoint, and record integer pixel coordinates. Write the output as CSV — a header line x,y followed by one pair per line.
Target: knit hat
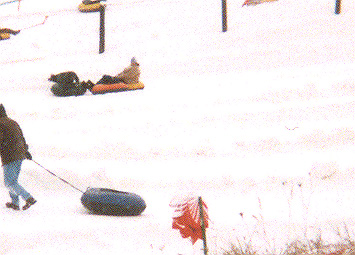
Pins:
x,y
2,111
134,61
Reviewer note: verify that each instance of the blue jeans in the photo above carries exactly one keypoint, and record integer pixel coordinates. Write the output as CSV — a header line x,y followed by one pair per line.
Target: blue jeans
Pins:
x,y
11,174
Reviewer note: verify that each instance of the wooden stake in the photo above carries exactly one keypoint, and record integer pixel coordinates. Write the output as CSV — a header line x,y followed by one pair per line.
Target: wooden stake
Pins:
x,y
224,15
203,228
337,6
102,29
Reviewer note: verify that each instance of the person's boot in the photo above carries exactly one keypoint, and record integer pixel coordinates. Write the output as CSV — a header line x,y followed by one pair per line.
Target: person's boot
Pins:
x,y
29,202
12,206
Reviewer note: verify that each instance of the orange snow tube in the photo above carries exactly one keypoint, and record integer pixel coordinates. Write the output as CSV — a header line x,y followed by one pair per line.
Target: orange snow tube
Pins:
x,y
89,7
4,36
116,87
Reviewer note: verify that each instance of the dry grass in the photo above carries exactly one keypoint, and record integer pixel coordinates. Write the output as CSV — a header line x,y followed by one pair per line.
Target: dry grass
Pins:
x,y
345,246
298,248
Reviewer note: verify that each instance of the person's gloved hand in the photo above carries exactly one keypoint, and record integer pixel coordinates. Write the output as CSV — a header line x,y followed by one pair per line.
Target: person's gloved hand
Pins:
x,y
28,155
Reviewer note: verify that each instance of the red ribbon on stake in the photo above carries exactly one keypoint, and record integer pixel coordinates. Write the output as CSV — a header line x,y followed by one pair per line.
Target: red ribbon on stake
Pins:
x,y
190,217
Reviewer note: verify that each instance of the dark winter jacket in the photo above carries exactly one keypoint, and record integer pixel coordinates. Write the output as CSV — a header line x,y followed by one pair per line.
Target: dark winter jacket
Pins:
x,y
12,143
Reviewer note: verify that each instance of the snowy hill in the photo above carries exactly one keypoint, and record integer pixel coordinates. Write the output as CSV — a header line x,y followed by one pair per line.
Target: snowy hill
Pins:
x,y
257,120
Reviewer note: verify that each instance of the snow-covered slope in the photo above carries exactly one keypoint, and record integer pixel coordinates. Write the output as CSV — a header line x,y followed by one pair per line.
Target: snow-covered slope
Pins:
x,y
257,120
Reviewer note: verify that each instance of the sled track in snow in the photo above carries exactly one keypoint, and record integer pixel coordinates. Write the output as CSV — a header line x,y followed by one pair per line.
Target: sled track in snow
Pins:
x,y
21,61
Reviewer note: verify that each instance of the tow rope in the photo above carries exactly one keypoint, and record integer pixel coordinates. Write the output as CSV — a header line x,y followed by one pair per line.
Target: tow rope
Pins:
x,y
58,177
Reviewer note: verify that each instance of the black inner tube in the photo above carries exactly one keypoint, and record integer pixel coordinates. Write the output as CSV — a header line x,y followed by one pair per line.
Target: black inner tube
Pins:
x,y
112,190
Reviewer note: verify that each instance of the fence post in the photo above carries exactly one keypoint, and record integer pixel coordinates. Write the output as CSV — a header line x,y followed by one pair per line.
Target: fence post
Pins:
x,y
102,29
224,15
337,6
203,226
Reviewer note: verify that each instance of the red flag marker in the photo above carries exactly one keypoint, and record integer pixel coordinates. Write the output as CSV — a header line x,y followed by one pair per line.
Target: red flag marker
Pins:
x,y
190,218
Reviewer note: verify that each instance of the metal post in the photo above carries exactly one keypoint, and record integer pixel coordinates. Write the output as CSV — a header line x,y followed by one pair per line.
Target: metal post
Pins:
x,y
102,29
203,228
224,15
337,6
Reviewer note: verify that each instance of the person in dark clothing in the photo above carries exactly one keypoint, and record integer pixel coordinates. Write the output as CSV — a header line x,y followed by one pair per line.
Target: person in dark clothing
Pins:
x,y
67,84
13,150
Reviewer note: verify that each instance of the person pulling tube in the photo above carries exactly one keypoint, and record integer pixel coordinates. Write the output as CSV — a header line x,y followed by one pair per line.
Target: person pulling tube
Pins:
x,y
13,150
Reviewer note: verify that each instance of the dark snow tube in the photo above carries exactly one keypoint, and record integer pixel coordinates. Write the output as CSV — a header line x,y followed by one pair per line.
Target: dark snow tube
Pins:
x,y
63,90
112,202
